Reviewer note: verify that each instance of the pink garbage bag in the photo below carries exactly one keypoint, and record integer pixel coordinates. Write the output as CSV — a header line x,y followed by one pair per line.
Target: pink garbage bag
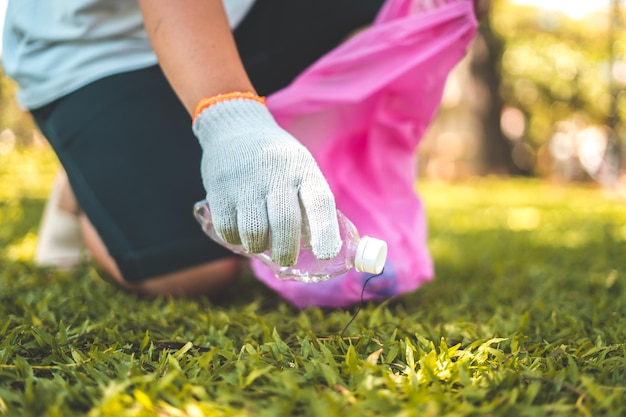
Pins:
x,y
361,110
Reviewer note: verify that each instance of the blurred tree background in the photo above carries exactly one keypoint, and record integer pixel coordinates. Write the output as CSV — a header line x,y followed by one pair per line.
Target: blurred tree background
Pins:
x,y
15,124
539,94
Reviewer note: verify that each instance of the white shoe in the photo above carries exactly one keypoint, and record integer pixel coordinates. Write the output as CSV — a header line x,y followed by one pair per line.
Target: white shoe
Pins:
x,y
59,240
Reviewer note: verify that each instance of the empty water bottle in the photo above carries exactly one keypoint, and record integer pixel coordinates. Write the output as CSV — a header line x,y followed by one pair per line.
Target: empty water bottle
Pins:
x,y
366,254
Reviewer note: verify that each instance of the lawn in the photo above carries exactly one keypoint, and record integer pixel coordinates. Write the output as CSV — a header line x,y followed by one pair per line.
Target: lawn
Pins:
x,y
527,317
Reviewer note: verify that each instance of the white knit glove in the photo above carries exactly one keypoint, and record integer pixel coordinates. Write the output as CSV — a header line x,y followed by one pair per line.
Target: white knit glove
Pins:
x,y
262,182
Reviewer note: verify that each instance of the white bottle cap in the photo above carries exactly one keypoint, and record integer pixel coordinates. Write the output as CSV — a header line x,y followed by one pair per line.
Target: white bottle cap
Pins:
x,y
371,255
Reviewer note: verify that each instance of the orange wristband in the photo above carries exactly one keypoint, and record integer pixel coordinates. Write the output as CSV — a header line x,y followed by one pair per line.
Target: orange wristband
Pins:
x,y
209,101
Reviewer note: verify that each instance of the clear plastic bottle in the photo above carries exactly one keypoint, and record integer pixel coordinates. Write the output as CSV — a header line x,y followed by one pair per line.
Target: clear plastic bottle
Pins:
x,y
366,254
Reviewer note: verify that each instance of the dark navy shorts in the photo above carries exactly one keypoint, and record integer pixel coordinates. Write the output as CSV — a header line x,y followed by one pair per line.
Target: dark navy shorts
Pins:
x,y
126,143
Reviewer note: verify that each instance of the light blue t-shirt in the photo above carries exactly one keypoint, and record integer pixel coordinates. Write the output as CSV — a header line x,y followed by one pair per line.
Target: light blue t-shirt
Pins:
x,y
53,47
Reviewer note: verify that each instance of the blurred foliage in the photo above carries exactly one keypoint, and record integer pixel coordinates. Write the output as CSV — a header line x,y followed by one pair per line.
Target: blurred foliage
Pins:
x,y
26,174
555,68
12,116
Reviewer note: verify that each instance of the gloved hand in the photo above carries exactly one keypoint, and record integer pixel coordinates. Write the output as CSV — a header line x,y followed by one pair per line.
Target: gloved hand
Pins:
x,y
262,182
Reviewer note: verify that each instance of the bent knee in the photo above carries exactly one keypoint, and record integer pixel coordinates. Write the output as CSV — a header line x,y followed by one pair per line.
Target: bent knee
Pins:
x,y
207,279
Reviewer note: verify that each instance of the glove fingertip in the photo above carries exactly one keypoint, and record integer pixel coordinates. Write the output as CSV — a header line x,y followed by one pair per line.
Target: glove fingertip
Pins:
x,y
327,246
285,258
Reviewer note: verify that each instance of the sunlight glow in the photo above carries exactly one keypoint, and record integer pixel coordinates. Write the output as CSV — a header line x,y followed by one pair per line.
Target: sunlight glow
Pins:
x,y
574,9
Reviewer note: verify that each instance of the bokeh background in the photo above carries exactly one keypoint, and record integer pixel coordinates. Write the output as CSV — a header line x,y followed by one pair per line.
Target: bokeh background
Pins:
x,y
540,94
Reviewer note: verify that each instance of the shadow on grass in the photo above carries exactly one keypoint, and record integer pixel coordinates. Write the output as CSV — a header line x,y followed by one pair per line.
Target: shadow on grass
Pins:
x,y
567,276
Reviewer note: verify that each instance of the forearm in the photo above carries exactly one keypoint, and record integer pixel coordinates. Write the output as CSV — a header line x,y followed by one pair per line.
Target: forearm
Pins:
x,y
195,48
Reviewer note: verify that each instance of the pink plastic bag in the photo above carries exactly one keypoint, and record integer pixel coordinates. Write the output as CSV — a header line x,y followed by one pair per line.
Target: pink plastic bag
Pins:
x,y
361,110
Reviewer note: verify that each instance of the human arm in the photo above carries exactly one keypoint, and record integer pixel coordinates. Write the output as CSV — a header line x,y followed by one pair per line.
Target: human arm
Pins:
x,y
195,48
259,179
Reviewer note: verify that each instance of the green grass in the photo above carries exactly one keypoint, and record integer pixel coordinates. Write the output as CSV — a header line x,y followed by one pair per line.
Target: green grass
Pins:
x,y
527,317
